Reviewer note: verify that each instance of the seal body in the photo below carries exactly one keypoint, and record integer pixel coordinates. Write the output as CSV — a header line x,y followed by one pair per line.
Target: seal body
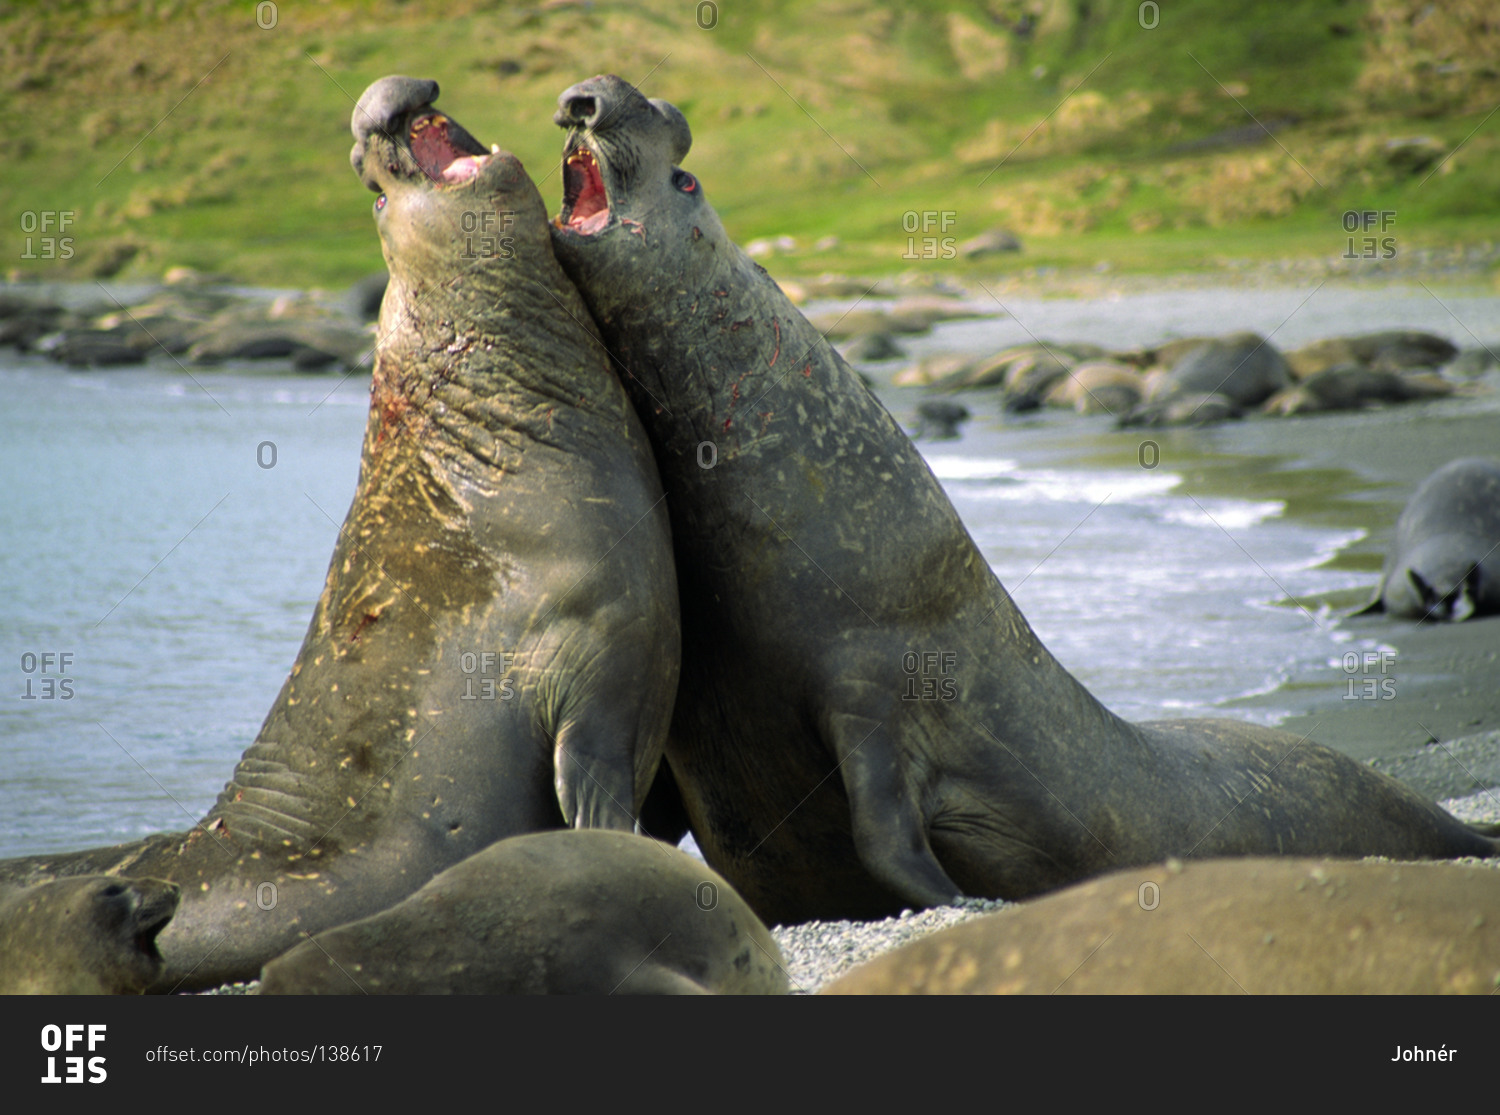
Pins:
x,y
495,648
1445,557
567,913
865,719
85,935
1227,927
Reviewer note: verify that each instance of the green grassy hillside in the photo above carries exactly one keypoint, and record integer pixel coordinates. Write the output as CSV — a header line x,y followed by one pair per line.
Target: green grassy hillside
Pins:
x,y
185,133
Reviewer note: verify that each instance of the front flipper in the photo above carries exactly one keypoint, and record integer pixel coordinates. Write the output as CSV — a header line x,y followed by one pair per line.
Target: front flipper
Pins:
x,y
889,833
594,770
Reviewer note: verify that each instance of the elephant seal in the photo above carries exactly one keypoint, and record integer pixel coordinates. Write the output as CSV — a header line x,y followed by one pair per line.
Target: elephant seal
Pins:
x,y
553,913
495,648
85,935
1256,926
1445,558
865,719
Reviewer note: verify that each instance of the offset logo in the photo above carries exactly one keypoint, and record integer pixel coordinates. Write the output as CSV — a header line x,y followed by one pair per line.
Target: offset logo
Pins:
x,y
74,1039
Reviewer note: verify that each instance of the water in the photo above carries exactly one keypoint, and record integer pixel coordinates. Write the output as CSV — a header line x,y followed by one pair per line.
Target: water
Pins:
x,y
142,534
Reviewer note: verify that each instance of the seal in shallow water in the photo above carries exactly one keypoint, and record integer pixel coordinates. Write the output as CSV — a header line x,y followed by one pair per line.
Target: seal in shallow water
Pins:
x,y
1445,558
559,913
85,935
1228,927
495,649
865,719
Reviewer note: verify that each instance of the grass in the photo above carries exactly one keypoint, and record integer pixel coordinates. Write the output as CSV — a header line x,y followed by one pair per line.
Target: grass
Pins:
x,y
183,133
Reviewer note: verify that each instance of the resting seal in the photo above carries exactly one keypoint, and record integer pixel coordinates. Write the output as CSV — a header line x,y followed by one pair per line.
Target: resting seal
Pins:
x,y
865,719
554,913
495,649
1445,558
1262,926
87,935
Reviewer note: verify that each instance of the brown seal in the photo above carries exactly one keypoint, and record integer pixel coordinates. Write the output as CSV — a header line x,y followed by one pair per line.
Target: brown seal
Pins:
x,y
496,647
85,935
559,913
1256,926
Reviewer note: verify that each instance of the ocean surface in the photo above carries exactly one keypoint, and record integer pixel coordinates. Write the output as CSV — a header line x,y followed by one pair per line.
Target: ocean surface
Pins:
x,y
163,539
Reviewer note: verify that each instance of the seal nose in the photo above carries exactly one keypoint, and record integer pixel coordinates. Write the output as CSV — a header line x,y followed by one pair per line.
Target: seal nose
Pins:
x,y
380,109
582,107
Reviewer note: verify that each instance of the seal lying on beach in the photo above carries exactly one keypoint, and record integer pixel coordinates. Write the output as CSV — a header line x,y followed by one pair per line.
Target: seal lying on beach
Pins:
x,y
495,650
865,719
1229,927
87,935
554,913
1445,558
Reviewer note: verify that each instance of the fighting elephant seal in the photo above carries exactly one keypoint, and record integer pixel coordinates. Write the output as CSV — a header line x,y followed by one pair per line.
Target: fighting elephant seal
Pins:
x,y
554,913
495,648
85,935
1257,926
1445,557
865,719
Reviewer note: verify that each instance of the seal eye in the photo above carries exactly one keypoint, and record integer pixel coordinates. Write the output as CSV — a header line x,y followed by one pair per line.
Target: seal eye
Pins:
x,y
684,181
380,203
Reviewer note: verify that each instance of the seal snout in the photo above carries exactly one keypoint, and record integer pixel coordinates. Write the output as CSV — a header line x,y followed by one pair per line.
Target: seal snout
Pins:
x,y
397,132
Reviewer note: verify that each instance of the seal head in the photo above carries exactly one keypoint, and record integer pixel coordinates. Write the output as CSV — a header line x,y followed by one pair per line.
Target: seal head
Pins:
x,y
613,133
85,935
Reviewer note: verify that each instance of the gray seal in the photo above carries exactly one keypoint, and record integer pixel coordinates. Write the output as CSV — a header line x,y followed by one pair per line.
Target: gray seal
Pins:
x,y
866,721
553,913
1444,561
85,935
495,650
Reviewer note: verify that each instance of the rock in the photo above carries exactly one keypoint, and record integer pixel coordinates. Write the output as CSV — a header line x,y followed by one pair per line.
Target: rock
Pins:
x,y
1244,367
841,326
1351,387
95,348
932,369
939,419
308,344
1395,349
993,242
366,295
1470,364
1414,154
872,347
1193,409
1098,387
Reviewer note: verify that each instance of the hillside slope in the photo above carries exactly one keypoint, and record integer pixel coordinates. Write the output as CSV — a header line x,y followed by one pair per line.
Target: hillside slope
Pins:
x,y
1150,136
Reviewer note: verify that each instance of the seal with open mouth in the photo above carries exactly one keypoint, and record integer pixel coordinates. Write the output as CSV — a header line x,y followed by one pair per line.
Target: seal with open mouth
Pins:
x,y
495,650
1444,562
86,935
865,719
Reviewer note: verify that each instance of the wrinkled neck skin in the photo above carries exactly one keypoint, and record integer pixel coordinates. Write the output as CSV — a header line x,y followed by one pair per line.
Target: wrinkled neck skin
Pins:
x,y
476,362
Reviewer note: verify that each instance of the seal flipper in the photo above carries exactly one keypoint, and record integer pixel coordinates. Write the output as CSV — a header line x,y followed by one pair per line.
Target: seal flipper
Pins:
x,y
889,834
595,778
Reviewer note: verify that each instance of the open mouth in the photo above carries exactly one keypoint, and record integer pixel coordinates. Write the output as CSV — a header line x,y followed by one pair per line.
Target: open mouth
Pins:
x,y
585,205
446,153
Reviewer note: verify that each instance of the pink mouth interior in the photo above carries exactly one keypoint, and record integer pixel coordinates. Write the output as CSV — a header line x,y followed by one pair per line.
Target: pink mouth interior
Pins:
x,y
435,153
582,182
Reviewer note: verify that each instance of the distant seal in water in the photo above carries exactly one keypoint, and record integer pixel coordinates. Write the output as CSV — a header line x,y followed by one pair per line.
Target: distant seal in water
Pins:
x,y
495,649
1445,557
1256,926
85,935
865,719
554,913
